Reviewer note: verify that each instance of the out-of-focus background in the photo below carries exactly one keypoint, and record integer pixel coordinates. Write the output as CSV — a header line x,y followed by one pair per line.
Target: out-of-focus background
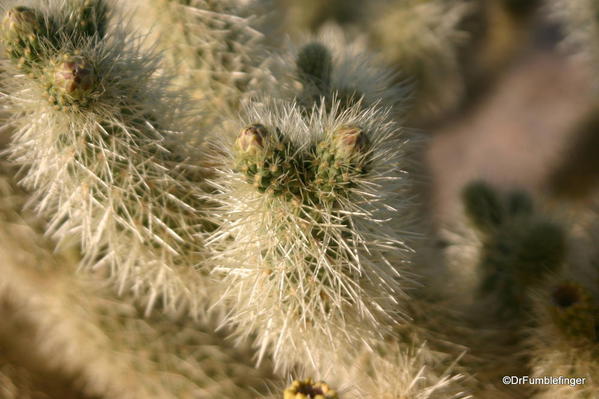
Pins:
x,y
506,90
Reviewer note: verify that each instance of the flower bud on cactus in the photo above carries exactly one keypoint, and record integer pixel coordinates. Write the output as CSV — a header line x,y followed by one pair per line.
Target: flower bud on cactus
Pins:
x,y
70,80
573,311
265,159
340,158
307,389
350,141
252,138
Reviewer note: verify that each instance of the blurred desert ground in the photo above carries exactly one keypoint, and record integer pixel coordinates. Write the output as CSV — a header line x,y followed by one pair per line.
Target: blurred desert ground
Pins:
x,y
525,127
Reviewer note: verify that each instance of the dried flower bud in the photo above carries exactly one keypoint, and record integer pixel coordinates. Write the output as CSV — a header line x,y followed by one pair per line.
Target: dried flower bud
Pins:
x,y
252,138
307,389
350,140
74,76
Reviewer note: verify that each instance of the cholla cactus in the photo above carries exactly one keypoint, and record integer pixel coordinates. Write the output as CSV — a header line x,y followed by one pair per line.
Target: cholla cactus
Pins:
x,y
81,327
307,227
95,133
519,247
306,231
332,65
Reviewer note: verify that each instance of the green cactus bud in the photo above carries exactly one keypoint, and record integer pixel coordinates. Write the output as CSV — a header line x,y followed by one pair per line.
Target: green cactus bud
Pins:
x,y
307,389
314,65
267,161
573,311
482,206
338,159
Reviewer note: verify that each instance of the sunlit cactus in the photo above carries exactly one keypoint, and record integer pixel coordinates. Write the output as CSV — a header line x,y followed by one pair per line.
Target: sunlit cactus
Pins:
x,y
307,232
79,327
96,134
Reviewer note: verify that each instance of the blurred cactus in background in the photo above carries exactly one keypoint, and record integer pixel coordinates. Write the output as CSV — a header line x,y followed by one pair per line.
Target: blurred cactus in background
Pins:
x,y
519,248
233,199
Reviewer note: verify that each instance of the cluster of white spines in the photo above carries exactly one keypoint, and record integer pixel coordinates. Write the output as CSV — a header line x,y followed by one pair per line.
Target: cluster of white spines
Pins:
x,y
95,131
82,328
313,260
314,231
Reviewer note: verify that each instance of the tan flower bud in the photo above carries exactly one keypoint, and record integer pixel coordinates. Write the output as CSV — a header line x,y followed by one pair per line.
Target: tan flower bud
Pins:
x,y
74,76
252,138
350,140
